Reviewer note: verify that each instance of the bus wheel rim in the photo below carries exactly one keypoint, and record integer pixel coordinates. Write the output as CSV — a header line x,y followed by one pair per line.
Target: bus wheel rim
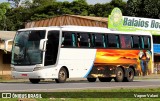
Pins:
x,y
62,75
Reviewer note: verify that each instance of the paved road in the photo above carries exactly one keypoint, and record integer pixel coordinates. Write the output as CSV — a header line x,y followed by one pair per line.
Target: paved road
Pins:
x,y
71,85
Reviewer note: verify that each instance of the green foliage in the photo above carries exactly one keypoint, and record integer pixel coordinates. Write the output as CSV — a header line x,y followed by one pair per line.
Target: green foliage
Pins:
x,y
104,10
38,3
134,7
15,18
16,3
119,3
3,8
143,8
42,9
79,7
152,8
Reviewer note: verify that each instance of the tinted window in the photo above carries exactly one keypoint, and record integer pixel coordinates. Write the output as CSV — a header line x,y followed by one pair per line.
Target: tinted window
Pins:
x,y
136,42
125,41
113,41
99,40
68,39
146,41
84,40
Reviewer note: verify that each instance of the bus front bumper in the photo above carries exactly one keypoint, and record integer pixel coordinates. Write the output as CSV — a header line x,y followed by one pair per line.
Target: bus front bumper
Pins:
x,y
35,74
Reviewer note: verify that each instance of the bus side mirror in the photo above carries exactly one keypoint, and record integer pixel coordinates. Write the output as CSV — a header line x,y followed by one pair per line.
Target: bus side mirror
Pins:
x,y
6,45
42,44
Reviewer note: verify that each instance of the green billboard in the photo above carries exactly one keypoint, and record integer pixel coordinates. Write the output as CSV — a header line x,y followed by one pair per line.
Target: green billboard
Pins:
x,y
119,22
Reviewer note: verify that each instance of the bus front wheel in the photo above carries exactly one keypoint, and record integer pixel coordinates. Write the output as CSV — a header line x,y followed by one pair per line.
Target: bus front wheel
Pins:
x,y
62,76
34,80
91,79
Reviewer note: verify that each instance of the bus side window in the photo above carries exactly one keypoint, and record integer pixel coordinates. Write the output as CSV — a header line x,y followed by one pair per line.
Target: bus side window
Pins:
x,y
125,41
92,40
67,41
113,41
149,42
99,40
146,41
78,39
106,40
141,44
137,43
74,40
84,41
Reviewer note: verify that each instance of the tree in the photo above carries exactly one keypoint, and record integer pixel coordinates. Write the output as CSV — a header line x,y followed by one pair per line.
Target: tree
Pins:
x,y
143,8
15,18
31,10
134,7
79,7
14,3
152,8
42,2
108,7
38,9
118,3
103,10
3,9
98,10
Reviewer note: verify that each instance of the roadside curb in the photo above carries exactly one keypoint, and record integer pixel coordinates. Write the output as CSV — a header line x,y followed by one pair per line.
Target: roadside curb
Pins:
x,y
148,77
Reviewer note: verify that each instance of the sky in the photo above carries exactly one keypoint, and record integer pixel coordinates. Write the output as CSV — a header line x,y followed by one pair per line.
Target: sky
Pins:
x,y
89,1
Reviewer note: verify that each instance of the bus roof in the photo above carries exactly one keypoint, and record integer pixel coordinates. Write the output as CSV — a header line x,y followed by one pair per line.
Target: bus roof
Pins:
x,y
86,29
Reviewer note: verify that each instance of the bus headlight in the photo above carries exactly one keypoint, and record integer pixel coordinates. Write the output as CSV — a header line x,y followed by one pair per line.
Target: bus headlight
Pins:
x,y
37,68
13,69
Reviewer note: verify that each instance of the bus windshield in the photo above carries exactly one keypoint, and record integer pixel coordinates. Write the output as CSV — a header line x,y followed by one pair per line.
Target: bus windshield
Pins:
x,y
25,49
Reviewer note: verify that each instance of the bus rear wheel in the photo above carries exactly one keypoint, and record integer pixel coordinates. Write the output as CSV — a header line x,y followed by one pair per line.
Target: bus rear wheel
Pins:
x,y
130,75
62,76
108,79
34,80
91,79
119,75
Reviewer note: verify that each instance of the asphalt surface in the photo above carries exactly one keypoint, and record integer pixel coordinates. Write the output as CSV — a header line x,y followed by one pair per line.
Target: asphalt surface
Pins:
x,y
49,86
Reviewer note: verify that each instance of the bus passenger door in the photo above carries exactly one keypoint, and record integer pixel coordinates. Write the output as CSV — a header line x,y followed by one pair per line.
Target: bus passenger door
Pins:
x,y
52,48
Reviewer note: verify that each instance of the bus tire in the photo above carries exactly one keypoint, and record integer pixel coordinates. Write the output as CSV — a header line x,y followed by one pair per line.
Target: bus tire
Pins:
x,y
62,76
91,79
119,75
129,76
108,79
34,80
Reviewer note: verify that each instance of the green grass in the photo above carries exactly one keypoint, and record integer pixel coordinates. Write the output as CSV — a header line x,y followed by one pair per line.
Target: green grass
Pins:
x,y
121,94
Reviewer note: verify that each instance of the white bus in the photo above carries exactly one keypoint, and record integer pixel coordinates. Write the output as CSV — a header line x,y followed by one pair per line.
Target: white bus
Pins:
x,y
80,52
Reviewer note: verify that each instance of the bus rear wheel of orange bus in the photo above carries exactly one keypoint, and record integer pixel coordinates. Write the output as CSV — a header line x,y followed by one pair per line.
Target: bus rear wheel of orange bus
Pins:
x,y
119,75
130,75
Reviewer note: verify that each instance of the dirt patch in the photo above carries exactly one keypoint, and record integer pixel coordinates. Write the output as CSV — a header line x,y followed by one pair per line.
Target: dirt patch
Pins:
x,y
5,77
